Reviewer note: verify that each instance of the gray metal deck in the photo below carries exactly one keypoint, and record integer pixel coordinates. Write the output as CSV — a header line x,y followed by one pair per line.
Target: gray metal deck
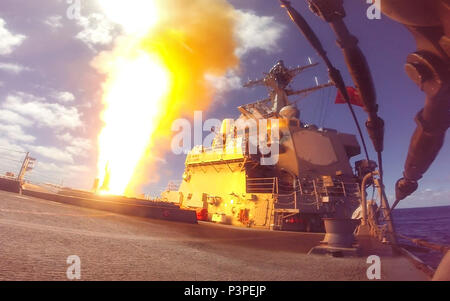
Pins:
x,y
37,236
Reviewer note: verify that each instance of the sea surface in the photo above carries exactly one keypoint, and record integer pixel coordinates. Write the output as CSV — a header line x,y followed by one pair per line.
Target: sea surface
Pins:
x,y
431,224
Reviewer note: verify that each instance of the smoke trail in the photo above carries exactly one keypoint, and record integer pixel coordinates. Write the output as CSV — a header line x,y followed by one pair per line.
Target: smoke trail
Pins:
x,y
155,75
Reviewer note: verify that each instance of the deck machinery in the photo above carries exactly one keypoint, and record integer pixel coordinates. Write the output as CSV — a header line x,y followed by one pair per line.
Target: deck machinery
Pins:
x,y
311,177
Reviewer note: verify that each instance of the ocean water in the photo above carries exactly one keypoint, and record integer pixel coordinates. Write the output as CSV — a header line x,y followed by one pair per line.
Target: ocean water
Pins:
x,y
431,224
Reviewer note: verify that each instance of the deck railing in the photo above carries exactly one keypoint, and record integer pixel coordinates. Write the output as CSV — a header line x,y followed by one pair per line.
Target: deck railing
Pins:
x,y
305,187
262,185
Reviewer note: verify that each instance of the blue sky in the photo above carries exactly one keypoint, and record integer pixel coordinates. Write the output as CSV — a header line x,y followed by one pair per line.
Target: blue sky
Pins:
x,y
50,95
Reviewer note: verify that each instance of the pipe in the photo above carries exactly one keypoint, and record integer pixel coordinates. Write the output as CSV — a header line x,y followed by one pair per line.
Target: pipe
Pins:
x,y
363,197
387,213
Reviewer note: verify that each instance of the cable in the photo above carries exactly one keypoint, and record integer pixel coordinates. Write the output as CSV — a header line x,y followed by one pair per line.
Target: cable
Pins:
x,y
333,73
328,105
322,108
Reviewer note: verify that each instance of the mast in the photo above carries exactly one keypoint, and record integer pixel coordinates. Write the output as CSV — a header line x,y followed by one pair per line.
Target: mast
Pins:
x,y
277,82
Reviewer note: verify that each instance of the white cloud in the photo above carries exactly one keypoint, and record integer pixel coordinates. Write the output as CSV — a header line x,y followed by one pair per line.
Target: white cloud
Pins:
x,y
50,115
257,32
13,68
231,81
11,117
54,22
24,110
67,137
15,133
59,173
425,197
6,146
42,166
253,32
11,154
97,30
63,96
77,146
29,97
78,168
9,41
52,167
52,153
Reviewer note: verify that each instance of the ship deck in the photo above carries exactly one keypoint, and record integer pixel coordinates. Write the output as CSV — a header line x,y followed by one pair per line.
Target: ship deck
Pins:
x,y
37,236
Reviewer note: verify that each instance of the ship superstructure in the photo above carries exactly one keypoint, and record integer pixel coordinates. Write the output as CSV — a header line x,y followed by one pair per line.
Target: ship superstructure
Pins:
x,y
308,176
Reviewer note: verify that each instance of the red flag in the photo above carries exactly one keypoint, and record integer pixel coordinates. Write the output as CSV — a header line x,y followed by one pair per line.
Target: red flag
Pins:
x,y
355,99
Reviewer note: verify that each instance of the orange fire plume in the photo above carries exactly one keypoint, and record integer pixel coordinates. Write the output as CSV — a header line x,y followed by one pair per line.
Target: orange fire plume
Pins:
x,y
155,74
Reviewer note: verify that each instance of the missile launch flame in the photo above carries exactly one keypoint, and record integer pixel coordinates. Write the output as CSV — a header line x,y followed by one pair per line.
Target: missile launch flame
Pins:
x,y
155,73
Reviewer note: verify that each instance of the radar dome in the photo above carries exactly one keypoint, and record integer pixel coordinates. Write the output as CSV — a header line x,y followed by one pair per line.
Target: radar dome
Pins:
x,y
290,112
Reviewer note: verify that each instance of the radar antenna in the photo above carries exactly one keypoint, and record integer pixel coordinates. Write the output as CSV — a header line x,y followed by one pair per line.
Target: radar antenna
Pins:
x,y
277,82
280,74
